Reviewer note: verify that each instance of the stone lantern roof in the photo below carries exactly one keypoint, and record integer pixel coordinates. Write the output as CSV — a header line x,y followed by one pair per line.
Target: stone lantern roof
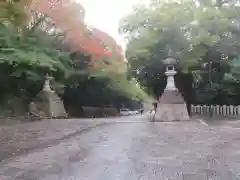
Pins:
x,y
170,61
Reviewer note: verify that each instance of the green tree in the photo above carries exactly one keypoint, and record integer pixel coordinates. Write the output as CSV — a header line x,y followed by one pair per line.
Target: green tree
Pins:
x,y
203,37
35,46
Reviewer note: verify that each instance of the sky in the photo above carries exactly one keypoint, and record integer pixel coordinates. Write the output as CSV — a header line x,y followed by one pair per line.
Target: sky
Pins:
x,y
105,14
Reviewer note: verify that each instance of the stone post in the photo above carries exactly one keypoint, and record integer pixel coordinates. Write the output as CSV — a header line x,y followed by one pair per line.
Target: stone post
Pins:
x,y
171,106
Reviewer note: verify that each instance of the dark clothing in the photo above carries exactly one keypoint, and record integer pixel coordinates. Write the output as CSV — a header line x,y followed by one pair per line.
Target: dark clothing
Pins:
x,y
155,105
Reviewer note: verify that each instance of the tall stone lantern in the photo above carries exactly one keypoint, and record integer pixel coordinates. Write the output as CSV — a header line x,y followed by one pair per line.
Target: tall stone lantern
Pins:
x,y
171,105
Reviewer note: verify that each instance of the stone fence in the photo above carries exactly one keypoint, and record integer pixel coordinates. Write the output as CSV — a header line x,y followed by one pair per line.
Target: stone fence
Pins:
x,y
215,110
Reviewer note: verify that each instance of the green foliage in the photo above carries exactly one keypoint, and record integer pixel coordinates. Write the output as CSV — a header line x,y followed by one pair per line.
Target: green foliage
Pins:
x,y
15,12
204,38
130,89
31,50
27,54
234,74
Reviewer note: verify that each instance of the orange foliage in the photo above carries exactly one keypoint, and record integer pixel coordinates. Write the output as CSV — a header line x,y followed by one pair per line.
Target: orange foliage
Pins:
x,y
69,17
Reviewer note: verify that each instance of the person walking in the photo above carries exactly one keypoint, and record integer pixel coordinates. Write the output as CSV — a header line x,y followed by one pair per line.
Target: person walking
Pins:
x,y
154,110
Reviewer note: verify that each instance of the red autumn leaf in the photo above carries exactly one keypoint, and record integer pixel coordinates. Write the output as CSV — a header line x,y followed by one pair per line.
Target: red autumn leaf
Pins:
x,y
68,16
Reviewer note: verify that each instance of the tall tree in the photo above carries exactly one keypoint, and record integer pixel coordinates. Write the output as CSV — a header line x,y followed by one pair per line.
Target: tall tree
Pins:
x,y
202,34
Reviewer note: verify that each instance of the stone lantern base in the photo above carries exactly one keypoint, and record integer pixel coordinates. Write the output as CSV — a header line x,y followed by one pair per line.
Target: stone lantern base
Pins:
x,y
171,107
47,104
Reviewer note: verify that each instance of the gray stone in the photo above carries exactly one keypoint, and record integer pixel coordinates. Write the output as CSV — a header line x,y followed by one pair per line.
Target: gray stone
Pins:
x,y
135,149
171,106
47,104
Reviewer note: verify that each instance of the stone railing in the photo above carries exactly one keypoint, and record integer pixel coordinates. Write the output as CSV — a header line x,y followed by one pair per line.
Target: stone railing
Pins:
x,y
215,110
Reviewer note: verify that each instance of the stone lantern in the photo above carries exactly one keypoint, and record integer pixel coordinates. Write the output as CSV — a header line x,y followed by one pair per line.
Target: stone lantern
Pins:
x,y
46,86
171,105
170,73
47,104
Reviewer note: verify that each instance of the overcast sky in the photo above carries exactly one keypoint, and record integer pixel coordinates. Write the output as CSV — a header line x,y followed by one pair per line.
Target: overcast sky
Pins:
x,y
105,14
